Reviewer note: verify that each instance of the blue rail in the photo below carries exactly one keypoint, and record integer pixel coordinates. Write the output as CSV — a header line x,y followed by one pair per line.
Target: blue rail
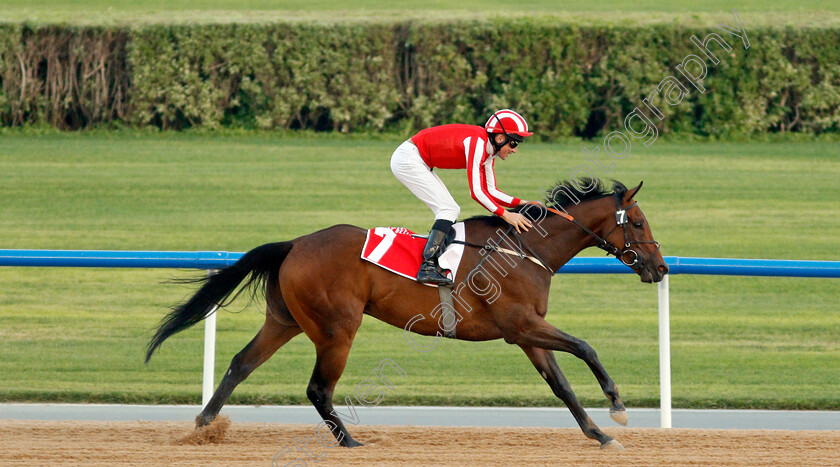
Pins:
x,y
119,259
713,266
220,259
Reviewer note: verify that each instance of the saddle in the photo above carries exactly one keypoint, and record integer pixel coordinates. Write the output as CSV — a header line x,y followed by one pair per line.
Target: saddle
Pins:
x,y
400,251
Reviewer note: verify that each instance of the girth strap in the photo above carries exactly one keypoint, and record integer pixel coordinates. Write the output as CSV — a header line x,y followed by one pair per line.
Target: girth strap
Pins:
x,y
448,307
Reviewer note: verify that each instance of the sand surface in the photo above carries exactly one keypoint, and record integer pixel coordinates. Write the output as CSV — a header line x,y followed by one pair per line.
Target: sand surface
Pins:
x,y
164,443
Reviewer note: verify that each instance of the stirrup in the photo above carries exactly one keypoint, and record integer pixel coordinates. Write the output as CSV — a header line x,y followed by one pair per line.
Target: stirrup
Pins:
x,y
431,273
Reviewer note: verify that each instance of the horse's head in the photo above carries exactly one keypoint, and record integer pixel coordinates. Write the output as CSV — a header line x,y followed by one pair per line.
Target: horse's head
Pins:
x,y
632,236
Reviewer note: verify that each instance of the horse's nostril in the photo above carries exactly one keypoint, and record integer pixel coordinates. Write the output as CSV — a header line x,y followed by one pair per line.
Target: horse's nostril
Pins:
x,y
663,269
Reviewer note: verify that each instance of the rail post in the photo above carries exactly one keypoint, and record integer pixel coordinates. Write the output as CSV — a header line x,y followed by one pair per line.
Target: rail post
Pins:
x,y
664,354
209,352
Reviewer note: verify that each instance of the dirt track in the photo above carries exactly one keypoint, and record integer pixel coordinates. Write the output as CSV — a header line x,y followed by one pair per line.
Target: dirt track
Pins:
x,y
156,443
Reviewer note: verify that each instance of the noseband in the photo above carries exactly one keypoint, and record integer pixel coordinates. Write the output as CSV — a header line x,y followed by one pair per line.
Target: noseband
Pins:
x,y
602,243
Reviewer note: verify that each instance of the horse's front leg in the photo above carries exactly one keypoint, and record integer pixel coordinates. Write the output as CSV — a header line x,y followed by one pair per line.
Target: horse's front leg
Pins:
x,y
537,332
329,364
547,367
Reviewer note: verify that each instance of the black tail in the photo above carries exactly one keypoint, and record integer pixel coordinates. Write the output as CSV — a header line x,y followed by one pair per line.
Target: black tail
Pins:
x,y
262,264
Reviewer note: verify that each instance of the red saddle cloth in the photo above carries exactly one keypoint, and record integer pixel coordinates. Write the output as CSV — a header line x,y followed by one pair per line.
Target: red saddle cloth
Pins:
x,y
395,249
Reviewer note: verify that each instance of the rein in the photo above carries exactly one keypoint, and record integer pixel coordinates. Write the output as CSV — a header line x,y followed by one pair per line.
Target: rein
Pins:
x,y
602,243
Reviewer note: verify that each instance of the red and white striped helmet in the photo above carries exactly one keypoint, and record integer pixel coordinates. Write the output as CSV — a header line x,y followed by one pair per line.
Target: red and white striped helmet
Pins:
x,y
509,122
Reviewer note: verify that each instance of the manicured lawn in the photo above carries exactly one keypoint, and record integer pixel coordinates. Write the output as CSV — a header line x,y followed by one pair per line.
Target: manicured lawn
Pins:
x,y
753,12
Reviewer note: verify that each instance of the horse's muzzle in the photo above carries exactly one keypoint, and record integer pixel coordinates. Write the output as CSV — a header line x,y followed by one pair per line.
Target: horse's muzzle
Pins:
x,y
653,271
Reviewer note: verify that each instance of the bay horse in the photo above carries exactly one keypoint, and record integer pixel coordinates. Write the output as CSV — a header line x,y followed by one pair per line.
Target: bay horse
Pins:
x,y
318,284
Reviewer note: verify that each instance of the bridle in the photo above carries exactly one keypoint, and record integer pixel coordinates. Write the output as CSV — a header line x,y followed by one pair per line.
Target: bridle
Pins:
x,y
621,220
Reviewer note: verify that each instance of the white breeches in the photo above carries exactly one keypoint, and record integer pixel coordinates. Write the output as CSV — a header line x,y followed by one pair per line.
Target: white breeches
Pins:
x,y
410,169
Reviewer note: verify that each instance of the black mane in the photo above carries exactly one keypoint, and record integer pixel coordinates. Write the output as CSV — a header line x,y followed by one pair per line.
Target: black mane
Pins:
x,y
563,194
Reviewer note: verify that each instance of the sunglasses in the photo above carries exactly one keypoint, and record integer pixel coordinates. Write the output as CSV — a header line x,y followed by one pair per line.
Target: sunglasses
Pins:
x,y
513,143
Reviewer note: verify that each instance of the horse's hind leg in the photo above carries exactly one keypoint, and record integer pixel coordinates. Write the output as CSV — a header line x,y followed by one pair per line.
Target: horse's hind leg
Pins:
x,y
271,337
547,366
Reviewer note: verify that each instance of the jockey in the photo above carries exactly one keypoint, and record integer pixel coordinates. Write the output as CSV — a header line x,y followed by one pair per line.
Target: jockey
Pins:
x,y
458,146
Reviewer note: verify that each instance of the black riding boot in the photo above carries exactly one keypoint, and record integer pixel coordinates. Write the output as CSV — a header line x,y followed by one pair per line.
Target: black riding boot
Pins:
x,y
430,272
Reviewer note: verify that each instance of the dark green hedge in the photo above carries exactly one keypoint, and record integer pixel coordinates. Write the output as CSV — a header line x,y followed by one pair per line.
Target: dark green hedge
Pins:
x,y
566,80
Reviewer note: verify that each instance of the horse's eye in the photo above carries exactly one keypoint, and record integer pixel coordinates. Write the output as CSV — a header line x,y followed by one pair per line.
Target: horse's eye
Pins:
x,y
638,225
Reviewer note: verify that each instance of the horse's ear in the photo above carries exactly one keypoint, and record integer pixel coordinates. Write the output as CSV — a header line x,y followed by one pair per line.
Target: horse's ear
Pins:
x,y
631,193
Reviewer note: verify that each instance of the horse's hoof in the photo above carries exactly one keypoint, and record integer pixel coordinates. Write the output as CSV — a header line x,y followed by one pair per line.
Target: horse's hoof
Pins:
x,y
201,421
619,416
210,434
612,445
352,444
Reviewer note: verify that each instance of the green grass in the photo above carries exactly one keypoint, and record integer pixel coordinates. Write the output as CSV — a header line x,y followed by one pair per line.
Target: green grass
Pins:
x,y
79,334
754,12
